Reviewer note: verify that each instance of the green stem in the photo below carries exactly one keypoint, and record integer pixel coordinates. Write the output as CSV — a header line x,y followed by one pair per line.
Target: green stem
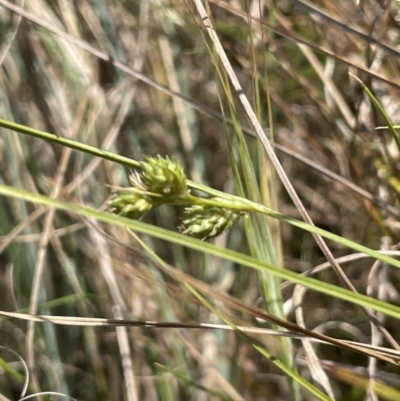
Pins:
x,y
69,143
233,202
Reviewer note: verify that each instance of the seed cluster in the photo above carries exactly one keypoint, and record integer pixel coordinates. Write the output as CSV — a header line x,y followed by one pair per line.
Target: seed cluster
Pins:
x,y
163,176
162,181
206,222
129,204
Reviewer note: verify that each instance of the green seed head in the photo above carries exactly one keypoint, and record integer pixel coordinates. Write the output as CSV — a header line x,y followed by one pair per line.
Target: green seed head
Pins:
x,y
163,176
129,204
206,222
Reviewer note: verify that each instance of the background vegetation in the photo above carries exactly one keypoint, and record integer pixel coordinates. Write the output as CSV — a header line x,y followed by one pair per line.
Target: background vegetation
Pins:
x,y
144,78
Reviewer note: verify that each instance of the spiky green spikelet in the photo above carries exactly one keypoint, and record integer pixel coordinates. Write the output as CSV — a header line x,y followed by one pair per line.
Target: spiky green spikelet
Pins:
x,y
162,181
158,181
205,222
129,204
163,176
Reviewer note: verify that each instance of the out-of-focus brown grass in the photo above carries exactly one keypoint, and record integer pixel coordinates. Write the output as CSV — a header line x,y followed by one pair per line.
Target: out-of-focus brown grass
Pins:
x,y
304,52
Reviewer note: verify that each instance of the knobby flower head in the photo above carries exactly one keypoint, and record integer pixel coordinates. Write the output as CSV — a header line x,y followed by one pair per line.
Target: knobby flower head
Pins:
x,y
162,176
205,222
129,204
158,180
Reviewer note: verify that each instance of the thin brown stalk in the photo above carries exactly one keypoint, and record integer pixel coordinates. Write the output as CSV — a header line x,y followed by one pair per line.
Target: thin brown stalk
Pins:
x,y
40,265
42,251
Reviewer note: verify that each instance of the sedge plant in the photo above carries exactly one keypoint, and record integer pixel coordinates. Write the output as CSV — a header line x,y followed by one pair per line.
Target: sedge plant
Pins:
x,y
92,102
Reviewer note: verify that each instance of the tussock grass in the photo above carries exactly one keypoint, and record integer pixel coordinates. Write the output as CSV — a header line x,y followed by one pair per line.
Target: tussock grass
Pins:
x,y
254,104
